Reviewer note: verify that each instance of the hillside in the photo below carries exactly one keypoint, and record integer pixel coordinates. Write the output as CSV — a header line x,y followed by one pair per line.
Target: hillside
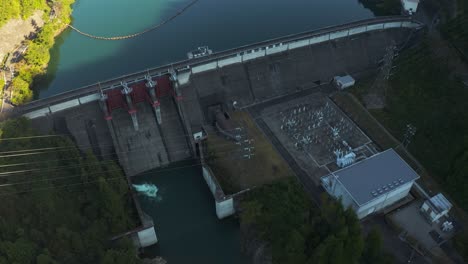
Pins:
x,y
13,9
14,31
32,64
60,205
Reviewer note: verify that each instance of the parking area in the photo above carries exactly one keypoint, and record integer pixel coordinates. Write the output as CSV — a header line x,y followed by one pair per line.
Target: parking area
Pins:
x,y
415,226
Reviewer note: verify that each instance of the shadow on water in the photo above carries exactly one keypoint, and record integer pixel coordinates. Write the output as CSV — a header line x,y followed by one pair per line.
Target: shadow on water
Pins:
x,y
44,81
225,26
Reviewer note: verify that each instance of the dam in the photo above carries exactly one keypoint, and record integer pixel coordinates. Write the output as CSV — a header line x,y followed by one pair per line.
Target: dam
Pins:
x,y
155,118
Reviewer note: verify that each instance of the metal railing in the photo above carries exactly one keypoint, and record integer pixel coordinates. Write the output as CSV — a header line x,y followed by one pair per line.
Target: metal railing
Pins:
x,y
187,64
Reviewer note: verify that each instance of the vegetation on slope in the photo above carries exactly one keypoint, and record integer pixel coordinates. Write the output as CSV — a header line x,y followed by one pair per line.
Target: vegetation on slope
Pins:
x,y
37,55
10,9
60,206
299,232
425,93
456,31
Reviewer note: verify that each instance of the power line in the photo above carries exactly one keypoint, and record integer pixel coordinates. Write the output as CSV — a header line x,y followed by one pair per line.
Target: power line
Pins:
x,y
219,149
77,145
29,137
226,153
172,117
98,173
110,161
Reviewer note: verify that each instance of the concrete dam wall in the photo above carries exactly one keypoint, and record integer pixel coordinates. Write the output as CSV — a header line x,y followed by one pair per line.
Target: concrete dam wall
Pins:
x,y
233,79
244,84
151,119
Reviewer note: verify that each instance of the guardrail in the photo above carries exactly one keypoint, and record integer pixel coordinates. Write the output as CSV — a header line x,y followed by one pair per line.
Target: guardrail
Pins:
x,y
220,59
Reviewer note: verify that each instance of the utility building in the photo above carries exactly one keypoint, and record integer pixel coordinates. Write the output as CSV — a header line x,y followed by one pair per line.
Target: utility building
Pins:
x,y
371,184
435,208
343,82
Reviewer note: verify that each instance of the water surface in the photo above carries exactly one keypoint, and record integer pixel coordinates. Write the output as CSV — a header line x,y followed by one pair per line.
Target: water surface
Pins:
x,y
185,219
78,60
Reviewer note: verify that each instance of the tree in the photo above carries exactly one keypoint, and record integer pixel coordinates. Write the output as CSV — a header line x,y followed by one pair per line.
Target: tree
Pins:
x,y
373,250
45,258
21,91
72,220
21,251
299,232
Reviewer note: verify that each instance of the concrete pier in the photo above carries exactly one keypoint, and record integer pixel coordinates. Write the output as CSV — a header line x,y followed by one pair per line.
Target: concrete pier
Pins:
x,y
224,204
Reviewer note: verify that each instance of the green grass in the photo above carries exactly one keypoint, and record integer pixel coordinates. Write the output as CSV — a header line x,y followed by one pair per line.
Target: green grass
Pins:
x,y
236,173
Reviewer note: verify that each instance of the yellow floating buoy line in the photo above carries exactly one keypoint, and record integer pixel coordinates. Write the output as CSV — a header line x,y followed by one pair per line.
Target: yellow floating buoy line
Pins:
x,y
139,33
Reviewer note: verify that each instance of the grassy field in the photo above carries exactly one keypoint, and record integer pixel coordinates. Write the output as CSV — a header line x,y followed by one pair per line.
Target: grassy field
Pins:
x,y
233,171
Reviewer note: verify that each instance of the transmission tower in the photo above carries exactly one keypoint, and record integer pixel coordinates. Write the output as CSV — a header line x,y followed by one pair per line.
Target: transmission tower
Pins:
x,y
410,131
377,93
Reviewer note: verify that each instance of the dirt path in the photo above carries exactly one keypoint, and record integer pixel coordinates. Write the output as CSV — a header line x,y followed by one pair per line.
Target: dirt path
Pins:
x,y
16,30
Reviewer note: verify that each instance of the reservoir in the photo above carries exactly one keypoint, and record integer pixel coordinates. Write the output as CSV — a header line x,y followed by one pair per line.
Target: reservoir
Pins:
x,y
184,211
78,61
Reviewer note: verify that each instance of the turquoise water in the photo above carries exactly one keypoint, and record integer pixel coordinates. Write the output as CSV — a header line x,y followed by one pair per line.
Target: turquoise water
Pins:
x,y
185,219
78,61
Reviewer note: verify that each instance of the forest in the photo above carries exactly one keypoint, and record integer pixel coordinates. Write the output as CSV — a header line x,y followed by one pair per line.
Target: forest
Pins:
x,y
426,94
37,55
297,231
456,30
60,205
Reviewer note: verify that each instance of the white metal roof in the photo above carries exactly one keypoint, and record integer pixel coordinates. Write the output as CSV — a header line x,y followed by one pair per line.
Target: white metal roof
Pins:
x,y
440,203
375,176
345,79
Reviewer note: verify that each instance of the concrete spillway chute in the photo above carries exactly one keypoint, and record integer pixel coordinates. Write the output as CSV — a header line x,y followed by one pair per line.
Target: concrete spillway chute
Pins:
x,y
152,86
127,91
175,85
104,107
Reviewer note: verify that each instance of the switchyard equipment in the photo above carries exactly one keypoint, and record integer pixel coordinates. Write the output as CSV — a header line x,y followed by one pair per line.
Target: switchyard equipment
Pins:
x,y
321,131
372,184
